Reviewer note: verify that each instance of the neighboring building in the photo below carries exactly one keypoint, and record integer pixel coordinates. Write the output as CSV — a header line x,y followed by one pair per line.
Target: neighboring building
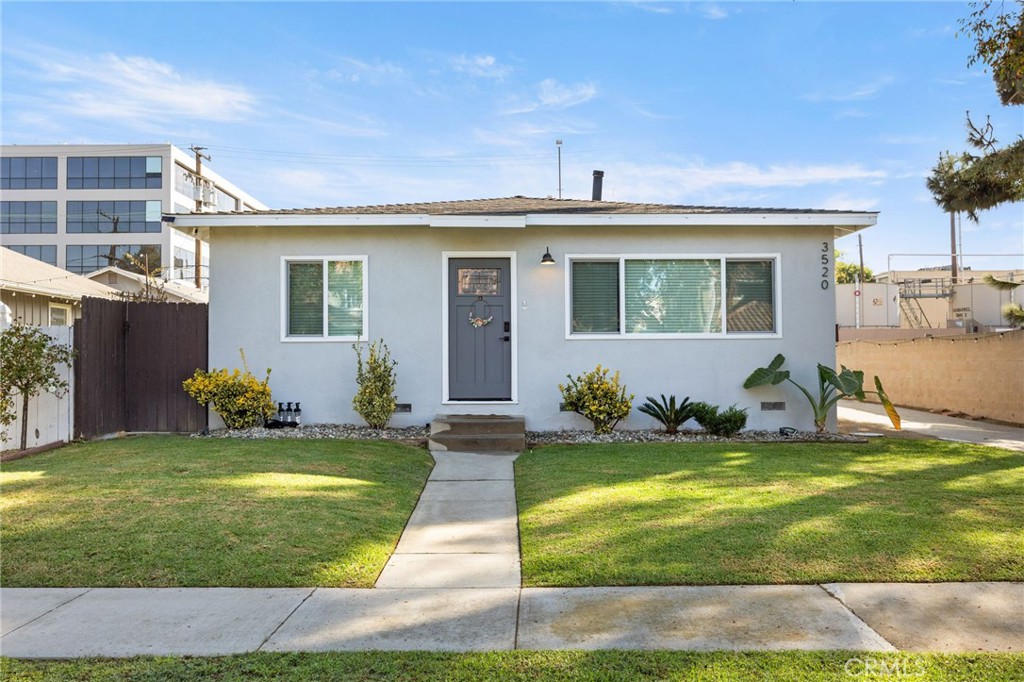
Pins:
x,y
868,304
930,299
86,207
487,305
134,284
43,295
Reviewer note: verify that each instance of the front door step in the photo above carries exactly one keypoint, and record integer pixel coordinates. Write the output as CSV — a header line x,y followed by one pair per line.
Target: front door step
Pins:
x,y
478,433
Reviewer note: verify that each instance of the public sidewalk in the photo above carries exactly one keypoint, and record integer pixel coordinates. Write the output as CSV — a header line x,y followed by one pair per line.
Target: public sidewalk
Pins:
x,y
453,584
872,417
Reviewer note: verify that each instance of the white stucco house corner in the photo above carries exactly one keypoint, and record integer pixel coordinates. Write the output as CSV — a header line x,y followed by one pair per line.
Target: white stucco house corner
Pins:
x,y
488,304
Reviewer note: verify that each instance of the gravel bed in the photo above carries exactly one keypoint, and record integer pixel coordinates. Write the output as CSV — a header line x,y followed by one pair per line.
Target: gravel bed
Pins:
x,y
420,433
685,436
343,431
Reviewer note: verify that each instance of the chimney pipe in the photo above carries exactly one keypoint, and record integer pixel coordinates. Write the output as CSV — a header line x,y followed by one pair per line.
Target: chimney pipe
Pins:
x,y
598,181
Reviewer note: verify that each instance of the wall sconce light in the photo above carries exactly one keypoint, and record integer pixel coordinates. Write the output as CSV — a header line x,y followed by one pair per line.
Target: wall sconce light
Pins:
x,y
547,258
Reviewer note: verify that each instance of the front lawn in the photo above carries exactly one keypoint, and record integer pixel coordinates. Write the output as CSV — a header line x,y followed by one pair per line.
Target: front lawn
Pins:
x,y
684,514
537,666
162,511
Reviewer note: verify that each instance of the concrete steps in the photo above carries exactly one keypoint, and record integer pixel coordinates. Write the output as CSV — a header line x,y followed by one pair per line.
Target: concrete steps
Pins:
x,y
477,433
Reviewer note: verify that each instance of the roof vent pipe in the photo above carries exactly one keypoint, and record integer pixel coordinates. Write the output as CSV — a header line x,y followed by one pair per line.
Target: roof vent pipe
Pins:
x,y
598,181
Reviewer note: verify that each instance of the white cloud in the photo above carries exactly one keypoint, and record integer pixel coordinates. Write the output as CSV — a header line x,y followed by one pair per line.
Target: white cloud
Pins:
x,y
481,66
136,89
550,94
656,7
554,95
711,10
699,182
852,93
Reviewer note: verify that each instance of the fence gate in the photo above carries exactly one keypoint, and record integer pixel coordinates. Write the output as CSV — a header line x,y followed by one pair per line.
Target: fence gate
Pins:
x,y
132,358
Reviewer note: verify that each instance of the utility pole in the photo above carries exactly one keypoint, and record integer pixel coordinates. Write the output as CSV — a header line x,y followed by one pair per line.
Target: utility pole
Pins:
x,y
954,274
860,246
198,151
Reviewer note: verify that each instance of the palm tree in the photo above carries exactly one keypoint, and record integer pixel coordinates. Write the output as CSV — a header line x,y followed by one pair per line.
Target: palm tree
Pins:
x,y
1012,311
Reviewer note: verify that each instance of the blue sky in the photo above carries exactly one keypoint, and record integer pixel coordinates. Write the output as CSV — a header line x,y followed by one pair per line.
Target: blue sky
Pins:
x,y
779,104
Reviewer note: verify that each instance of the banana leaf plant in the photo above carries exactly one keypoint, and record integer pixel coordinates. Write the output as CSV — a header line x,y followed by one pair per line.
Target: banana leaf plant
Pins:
x,y
832,387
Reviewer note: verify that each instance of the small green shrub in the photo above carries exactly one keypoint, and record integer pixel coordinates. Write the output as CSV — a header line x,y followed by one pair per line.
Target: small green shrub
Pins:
x,y
239,398
725,423
375,399
600,399
671,415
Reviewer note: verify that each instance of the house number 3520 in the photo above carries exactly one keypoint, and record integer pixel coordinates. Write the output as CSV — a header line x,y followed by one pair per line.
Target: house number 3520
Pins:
x,y
824,265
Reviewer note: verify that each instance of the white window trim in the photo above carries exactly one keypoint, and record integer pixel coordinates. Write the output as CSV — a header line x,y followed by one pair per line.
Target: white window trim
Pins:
x,y
446,256
324,338
60,306
776,259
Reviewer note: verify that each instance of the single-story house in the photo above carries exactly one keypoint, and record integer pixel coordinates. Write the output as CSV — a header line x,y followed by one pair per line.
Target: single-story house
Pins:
x,y
135,283
41,294
488,304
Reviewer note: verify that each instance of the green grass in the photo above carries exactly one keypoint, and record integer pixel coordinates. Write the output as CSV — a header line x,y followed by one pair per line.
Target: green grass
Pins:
x,y
538,666
160,511
679,514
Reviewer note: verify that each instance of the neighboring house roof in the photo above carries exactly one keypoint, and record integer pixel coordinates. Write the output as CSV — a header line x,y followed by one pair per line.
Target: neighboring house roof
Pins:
x,y
131,282
519,211
23,274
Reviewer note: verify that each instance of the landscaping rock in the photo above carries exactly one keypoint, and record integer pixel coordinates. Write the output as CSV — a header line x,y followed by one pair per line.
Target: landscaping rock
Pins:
x,y
419,434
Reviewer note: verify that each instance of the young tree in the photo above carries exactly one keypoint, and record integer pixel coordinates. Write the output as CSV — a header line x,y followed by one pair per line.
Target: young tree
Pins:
x,y
29,358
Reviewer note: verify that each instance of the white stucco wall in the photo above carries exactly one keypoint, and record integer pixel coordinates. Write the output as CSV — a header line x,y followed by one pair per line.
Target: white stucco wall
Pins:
x,y
406,284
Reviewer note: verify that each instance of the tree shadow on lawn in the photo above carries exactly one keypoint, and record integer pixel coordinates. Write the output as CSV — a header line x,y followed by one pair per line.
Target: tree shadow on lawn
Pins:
x,y
742,514
281,514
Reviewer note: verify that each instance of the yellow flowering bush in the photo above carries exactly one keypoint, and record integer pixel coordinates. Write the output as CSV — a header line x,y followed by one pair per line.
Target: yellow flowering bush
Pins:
x,y
597,397
238,397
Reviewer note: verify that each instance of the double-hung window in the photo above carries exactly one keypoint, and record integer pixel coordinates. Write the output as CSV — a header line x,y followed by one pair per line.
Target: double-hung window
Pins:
x,y
324,298
672,296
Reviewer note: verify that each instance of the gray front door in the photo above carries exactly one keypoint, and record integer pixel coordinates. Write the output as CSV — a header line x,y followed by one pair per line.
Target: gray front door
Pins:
x,y
479,329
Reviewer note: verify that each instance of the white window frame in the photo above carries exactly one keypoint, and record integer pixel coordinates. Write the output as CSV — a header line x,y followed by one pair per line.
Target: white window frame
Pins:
x,y
67,311
323,338
776,259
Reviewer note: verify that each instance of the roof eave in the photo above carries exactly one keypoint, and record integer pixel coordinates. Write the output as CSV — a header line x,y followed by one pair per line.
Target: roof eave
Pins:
x,y
842,223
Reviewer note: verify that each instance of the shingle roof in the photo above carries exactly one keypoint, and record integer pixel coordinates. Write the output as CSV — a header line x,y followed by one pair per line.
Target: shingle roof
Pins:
x,y
519,205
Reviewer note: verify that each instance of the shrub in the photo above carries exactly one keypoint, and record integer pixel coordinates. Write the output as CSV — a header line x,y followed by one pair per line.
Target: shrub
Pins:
x,y
668,412
375,399
601,400
239,398
725,423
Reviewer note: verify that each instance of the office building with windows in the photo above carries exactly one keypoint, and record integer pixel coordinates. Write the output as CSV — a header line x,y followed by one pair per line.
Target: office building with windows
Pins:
x,y
87,207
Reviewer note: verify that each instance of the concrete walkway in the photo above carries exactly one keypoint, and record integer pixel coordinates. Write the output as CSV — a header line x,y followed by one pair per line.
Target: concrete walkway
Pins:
x,y
872,417
453,584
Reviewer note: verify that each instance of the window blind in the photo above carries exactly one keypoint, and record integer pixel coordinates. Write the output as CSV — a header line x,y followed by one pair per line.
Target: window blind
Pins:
x,y
673,296
305,299
750,296
595,297
345,298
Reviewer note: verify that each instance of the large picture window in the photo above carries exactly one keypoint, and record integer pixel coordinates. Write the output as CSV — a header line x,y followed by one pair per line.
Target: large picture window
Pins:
x,y
672,296
325,298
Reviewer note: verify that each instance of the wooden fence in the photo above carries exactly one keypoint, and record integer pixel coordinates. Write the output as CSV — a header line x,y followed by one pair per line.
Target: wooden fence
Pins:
x,y
131,361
